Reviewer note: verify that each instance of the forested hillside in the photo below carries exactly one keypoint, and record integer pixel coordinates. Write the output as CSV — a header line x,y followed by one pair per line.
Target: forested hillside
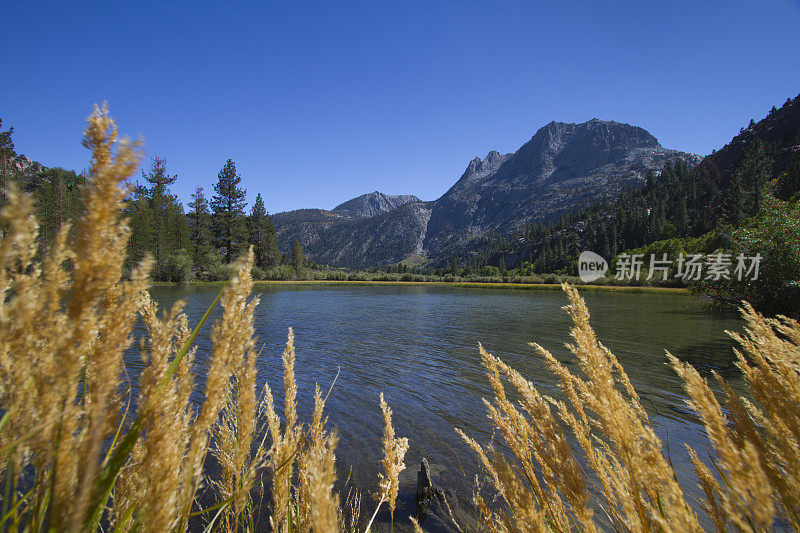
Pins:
x,y
742,199
726,188
722,203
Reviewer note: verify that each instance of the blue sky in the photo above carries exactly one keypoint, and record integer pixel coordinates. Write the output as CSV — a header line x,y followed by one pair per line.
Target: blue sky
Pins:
x,y
319,102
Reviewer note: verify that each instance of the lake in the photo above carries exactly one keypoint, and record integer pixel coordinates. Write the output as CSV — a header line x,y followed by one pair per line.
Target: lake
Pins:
x,y
418,345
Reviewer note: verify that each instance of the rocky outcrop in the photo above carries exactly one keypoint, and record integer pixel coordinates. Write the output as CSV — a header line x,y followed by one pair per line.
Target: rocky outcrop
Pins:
x,y
23,167
330,239
373,229
374,203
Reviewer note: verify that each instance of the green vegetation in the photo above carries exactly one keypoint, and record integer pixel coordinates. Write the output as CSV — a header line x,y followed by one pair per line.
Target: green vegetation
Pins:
x,y
739,200
158,224
227,206
774,234
199,219
262,236
299,260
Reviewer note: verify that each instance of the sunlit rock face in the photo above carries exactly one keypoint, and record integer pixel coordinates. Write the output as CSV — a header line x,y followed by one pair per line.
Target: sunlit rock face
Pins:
x,y
561,167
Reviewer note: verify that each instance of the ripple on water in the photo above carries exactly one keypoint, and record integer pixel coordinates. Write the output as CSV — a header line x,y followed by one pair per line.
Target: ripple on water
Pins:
x,y
418,345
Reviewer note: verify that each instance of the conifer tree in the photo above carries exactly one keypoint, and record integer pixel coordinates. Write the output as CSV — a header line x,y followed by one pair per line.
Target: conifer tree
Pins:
x,y
745,192
158,222
158,177
298,260
140,220
273,253
788,185
200,229
228,207
453,265
262,235
682,217
159,180
58,200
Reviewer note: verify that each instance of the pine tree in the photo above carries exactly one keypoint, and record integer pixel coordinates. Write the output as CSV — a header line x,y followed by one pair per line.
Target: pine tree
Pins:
x,y
158,177
298,260
58,200
167,228
140,220
682,218
228,207
262,235
755,169
200,229
745,192
273,253
788,185
159,180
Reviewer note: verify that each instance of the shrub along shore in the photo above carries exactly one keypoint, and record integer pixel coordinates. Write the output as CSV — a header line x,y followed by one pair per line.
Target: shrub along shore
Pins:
x,y
460,284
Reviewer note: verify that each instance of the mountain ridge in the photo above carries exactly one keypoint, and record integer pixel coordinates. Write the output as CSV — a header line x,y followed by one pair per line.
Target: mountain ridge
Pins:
x,y
559,168
562,166
371,204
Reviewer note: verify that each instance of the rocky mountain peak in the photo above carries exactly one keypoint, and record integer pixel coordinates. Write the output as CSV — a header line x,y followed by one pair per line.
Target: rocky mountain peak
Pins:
x,y
562,166
371,204
24,166
479,168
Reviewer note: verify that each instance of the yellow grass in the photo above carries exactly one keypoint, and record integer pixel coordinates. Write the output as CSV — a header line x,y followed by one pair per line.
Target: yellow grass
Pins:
x,y
80,452
754,478
74,454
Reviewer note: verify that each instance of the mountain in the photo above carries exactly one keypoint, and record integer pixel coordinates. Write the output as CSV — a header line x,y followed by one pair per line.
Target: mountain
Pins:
x,y
386,238
562,167
706,202
371,229
374,203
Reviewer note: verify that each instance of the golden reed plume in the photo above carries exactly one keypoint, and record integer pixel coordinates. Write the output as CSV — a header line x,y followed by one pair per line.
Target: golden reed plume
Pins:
x,y
81,451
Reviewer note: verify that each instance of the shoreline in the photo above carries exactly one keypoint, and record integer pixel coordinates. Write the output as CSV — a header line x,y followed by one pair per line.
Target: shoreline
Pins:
x,y
459,284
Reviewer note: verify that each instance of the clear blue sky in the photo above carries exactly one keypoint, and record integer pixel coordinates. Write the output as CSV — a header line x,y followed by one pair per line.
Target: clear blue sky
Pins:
x,y
322,102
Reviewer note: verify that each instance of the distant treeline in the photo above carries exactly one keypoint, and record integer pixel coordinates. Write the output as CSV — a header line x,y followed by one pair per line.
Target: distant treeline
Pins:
x,y
742,199
198,244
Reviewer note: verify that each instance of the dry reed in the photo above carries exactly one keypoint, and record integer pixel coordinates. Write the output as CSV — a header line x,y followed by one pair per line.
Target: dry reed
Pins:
x,y
78,450
755,482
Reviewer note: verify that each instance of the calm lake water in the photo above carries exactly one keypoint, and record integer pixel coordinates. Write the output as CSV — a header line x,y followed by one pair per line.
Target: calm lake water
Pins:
x,y
418,345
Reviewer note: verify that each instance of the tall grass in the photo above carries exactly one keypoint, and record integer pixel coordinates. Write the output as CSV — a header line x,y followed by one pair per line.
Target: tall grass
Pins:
x,y
80,451
75,454
751,480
